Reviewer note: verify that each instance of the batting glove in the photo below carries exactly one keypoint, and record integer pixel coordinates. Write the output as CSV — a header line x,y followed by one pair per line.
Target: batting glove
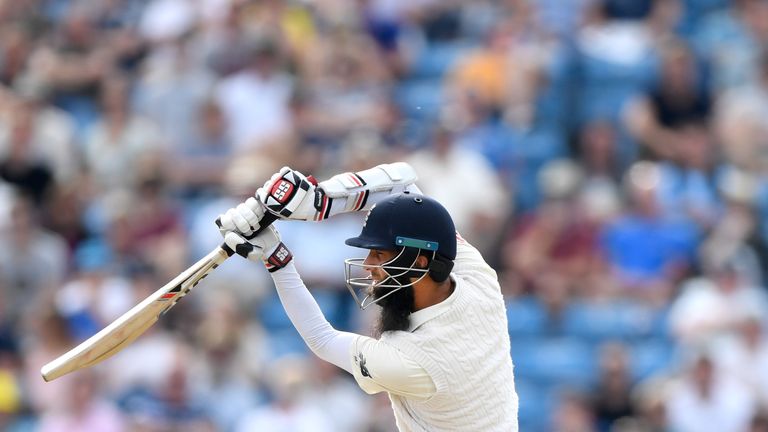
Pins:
x,y
265,247
290,194
246,218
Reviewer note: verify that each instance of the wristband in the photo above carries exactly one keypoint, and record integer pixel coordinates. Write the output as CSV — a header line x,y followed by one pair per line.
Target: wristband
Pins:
x,y
278,259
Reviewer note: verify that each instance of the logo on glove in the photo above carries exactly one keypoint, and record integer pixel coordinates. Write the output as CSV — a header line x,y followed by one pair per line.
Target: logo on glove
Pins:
x,y
282,191
279,258
281,254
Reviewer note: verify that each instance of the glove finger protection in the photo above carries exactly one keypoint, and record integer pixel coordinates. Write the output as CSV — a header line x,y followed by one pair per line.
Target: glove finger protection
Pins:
x,y
246,211
246,218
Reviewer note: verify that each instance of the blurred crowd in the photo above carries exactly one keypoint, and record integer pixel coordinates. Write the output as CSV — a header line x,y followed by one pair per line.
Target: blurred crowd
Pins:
x,y
608,157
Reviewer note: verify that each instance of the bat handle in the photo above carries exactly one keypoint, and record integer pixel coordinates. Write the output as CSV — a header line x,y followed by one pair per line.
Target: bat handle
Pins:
x,y
266,220
263,224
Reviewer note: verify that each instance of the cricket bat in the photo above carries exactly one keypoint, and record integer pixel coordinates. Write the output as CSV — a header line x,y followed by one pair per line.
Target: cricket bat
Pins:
x,y
125,329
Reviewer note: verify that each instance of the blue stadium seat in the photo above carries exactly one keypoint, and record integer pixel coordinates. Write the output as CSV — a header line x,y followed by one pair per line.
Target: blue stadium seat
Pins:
x,y
520,154
331,304
285,342
548,361
526,317
272,315
420,99
536,405
437,59
599,322
696,9
650,357
596,71
605,87
660,326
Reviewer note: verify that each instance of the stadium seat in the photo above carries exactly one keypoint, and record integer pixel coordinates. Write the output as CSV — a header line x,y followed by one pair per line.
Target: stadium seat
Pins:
x,y
650,357
548,361
526,317
286,342
536,405
420,99
599,322
437,59
272,315
605,86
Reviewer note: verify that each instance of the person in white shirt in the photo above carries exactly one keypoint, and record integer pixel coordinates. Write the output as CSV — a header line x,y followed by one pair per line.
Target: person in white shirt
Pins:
x,y
442,350
707,400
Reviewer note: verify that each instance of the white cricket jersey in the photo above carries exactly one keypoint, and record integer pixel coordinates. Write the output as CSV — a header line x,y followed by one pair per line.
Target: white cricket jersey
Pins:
x,y
452,369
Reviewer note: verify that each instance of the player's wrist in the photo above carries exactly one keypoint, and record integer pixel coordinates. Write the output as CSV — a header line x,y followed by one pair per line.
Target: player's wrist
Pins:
x,y
279,257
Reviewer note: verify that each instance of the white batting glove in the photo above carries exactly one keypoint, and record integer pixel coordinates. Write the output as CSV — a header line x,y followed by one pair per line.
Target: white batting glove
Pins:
x,y
245,218
290,194
265,247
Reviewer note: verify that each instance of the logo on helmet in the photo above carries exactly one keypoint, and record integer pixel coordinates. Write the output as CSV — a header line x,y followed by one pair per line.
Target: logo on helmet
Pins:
x,y
365,222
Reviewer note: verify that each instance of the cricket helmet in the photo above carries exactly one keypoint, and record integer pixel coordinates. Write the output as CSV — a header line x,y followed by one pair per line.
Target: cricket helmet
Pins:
x,y
411,225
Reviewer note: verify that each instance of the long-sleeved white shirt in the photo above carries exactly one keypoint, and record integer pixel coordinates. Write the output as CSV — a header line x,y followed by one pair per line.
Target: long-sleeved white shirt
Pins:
x,y
450,370
382,366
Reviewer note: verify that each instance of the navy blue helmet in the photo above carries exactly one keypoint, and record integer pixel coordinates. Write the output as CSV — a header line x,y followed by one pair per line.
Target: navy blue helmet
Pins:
x,y
410,225
410,220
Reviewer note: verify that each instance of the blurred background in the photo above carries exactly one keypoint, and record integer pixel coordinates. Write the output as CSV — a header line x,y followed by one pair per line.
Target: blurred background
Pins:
x,y
608,157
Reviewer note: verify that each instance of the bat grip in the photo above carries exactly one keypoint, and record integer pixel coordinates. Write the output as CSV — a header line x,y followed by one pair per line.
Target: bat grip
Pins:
x,y
265,221
263,224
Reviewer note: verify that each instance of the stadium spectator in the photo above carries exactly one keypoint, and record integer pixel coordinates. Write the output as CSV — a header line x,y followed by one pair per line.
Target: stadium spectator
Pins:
x,y
707,400
662,247
127,126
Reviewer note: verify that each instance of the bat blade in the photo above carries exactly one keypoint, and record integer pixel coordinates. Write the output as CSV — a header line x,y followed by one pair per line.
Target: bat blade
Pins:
x,y
129,326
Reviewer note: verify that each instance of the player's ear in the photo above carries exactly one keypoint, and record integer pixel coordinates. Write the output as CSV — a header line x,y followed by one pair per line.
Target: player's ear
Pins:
x,y
422,262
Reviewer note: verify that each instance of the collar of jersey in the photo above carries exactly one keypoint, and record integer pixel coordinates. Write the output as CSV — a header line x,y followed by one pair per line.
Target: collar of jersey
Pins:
x,y
420,317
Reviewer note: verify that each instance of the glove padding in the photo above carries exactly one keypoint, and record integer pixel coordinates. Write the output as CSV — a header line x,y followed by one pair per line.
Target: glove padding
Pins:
x,y
289,194
265,247
246,218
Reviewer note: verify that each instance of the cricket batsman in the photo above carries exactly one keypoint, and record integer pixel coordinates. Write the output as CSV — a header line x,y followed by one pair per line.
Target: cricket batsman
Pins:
x,y
442,349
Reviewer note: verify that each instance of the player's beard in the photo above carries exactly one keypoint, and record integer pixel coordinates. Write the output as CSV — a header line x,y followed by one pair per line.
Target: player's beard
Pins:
x,y
396,309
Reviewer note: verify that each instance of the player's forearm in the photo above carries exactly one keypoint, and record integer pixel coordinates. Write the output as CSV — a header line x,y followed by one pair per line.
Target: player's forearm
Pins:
x,y
290,194
325,341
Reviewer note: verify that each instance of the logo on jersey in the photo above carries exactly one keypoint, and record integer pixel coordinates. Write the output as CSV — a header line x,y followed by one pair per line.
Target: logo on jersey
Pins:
x,y
282,191
360,360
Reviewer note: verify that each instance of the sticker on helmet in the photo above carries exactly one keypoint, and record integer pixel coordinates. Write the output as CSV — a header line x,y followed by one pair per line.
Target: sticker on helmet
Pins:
x,y
365,222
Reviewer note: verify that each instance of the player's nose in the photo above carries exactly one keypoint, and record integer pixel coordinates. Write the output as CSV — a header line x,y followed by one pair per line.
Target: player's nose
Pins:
x,y
368,263
368,267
